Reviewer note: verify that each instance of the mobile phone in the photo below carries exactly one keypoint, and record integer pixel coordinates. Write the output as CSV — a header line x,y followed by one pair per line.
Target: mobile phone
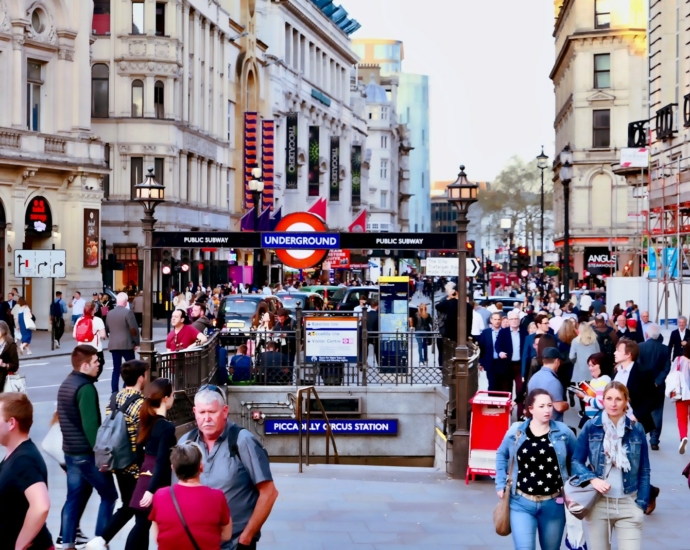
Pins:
x,y
573,389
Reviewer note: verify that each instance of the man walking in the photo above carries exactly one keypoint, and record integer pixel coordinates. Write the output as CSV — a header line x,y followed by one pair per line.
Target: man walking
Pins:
x,y
373,326
679,338
546,378
509,344
236,463
77,304
124,336
489,361
90,331
655,357
80,418
58,308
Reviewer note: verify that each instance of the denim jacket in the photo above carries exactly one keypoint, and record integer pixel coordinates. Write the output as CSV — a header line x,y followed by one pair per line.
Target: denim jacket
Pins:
x,y
560,436
590,448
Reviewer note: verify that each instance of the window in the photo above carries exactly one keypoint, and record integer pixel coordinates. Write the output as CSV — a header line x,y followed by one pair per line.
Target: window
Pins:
x,y
34,85
38,21
423,137
106,178
384,200
384,142
423,179
136,173
602,14
601,124
230,109
99,90
602,70
137,98
384,169
125,253
159,99
159,170
138,17
101,17
160,19
384,113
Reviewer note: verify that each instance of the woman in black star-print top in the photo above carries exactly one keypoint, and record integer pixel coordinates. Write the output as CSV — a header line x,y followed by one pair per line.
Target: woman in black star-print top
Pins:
x,y
539,450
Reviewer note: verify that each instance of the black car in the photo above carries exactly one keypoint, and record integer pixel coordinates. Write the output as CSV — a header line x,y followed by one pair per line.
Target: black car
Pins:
x,y
235,312
347,298
308,301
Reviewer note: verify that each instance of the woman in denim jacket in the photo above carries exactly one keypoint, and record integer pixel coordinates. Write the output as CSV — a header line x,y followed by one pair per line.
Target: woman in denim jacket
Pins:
x,y
543,448
616,449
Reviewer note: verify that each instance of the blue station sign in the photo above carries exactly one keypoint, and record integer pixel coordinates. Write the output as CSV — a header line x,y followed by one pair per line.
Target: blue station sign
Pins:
x,y
301,241
339,427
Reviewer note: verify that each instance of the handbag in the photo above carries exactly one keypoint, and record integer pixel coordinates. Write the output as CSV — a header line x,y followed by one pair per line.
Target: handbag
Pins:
x,y
28,321
580,500
184,523
52,444
674,382
15,383
104,310
502,510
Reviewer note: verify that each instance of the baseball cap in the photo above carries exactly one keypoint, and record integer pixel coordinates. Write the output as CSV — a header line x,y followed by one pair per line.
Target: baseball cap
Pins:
x,y
551,353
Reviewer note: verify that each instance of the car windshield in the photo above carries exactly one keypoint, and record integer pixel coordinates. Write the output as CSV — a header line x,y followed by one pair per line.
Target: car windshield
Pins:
x,y
338,295
241,307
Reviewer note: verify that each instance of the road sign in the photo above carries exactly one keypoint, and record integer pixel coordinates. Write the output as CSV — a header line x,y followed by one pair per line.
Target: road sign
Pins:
x,y
472,267
44,264
448,267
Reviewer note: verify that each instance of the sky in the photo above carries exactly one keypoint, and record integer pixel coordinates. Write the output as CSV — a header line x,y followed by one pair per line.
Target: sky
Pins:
x,y
488,64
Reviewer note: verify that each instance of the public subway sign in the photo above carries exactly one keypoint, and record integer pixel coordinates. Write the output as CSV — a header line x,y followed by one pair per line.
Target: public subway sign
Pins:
x,y
338,427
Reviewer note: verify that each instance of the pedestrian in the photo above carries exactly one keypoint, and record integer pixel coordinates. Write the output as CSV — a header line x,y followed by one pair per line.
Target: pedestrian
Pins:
x,y
182,335
24,499
90,330
547,379
611,454
643,323
124,336
584,345
655,356
138,307
601,372
80,418
509,344
373,329
421,323
129,400
633,331
286,341
275,366
180,301
199,319
9,360
204,509
536,453
241,366
266,290
566,334
77,304
58,308
680,393
679,337
541,320
234,461
26,324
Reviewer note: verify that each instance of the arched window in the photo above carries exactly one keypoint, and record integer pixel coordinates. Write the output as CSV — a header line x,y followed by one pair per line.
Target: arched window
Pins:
x,y
99,90
159,99
137,98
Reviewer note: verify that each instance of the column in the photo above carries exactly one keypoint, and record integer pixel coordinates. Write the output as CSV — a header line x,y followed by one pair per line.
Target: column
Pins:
x,y
194,177
206,77
217,86
169,97
222,188
182,165
196,100
185,63
215,186
18,93
150,18
174,171
149,111
222,79
203,187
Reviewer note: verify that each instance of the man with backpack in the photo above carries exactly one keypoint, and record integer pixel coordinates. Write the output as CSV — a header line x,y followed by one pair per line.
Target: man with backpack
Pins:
x,y
606,337
80,418
116,445
236,463
90,330
58,308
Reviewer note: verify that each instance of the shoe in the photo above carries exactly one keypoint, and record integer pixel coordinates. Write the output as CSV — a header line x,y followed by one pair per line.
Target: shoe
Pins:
x,y
683,443
57,344
81,540
97,544
655,447
652,500
28,352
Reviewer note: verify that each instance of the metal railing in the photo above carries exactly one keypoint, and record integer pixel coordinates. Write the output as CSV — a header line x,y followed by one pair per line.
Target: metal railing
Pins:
x,y
309,390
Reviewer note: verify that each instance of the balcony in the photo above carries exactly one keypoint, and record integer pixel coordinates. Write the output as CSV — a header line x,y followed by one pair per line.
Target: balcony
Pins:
x,y
665,125
637,133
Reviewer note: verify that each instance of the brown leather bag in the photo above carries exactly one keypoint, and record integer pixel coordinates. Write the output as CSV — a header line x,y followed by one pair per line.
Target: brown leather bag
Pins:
x,y
502,510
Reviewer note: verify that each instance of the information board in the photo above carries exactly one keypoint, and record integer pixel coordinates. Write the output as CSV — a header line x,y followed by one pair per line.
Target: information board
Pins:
x,y
394,300
331,339
365,426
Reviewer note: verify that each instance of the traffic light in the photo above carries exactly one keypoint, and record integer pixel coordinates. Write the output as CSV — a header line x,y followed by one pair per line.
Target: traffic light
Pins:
x,y
489,266
469,245
166,262
514,265
184,261
523,258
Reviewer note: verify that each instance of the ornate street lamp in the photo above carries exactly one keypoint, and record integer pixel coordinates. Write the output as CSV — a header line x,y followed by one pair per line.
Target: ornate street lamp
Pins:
x,y
256,186
566,176
150,194
462,194
542,164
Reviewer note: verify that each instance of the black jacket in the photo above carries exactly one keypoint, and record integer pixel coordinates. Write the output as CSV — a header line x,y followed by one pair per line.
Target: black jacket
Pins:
x,y
449,307
372,323
674,343
642,395
74,441
655,356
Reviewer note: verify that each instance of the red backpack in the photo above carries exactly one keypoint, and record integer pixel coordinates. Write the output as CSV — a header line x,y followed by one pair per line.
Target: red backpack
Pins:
x,y
85,329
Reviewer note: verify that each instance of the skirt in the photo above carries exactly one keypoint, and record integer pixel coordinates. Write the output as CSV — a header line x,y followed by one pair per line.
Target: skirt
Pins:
x,y
143,482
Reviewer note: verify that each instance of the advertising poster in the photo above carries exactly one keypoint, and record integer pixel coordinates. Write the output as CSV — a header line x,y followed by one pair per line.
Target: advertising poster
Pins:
x,y
92,231
335,169
267,149
339,259
291,153
313,161
331,339
356,171
599,260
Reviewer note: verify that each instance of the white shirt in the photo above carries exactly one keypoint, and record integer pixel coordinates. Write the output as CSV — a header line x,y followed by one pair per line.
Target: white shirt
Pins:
x,y
266,291
97,324
78,306
492,308
585,302
623,374
477,324
555,323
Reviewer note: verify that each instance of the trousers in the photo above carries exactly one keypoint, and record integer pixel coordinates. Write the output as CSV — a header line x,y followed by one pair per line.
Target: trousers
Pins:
x,y
625,519
682,413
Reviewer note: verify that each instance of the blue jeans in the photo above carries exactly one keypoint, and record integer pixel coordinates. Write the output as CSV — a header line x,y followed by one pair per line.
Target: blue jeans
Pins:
x,y
75,318
81,470
527,518
421,344
118,356
658,417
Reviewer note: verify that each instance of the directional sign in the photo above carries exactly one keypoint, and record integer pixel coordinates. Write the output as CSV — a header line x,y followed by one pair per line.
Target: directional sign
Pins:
x,y
44,264
448,267
472,267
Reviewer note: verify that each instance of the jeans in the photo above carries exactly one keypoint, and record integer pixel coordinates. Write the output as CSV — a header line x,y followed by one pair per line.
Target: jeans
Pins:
x,y
658,417
84,497
118,356
421,343
527,518
126,483
81,470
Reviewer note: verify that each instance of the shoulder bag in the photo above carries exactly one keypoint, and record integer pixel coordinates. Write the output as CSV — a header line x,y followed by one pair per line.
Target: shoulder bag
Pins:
x,y
502,510
580,500
184,523
28,320
15,383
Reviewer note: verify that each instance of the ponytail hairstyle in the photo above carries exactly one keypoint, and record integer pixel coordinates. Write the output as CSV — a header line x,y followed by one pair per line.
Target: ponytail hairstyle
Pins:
x,y
154,394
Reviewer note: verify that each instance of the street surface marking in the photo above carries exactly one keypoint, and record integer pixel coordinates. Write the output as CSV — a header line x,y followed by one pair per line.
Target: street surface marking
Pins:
x,y
58,385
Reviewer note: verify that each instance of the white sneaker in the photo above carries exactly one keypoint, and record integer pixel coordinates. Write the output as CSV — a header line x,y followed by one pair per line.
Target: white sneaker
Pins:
x,y
97,544
683,443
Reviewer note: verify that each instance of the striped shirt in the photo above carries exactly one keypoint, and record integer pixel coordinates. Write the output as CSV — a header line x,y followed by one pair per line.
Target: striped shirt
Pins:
x,y
131,418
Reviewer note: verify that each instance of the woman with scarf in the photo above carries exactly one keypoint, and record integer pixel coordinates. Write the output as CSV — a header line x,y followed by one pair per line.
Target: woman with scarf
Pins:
x,y
612,455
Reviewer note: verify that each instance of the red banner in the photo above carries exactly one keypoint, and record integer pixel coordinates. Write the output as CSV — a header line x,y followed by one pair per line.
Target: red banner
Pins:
x,y
250,154
267,145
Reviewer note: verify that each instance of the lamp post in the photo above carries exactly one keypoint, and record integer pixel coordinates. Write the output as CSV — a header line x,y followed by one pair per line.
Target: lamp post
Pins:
x,y
150,194
256,186
462,194
507,227
566,176
542,164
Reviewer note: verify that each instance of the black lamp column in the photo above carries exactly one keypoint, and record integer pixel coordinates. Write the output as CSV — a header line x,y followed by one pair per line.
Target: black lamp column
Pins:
x,y
542,160
566,176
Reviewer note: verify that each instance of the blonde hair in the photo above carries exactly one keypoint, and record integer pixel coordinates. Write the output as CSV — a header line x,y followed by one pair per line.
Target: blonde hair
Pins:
x,y
567,333
587,335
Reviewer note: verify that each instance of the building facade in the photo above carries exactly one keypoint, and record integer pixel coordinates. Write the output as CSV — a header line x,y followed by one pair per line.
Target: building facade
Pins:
x,y
412,106
51,162
600,85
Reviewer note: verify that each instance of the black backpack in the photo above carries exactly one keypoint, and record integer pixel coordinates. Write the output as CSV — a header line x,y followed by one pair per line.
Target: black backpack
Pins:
x,y
606,342
55,309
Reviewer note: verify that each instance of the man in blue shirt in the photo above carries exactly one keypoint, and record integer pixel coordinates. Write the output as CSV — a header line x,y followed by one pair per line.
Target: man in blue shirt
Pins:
x,y
547,379
57,310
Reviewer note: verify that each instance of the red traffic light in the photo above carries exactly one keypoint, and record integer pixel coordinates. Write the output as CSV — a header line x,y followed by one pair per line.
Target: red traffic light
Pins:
x,y
522,251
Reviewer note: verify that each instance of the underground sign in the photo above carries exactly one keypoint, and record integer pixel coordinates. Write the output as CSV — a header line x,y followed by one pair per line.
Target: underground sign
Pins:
x,y
300,240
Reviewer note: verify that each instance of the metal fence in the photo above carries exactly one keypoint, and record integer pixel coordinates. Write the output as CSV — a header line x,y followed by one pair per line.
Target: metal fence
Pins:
x,y
190,369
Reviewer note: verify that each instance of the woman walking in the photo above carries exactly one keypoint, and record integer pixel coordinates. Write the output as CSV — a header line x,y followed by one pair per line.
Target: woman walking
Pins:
x,y
612,455
9,361
26,325
680,393
421,322
535,455
581,349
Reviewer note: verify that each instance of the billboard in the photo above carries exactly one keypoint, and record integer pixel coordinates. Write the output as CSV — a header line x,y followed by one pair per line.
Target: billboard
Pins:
x,y
313,161
334,194
291,152
356,171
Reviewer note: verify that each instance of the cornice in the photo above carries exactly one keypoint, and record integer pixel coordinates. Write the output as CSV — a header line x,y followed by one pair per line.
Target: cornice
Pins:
x,y
563,111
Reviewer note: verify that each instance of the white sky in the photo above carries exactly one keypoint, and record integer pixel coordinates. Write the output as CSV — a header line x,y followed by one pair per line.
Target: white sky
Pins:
x,y
488,64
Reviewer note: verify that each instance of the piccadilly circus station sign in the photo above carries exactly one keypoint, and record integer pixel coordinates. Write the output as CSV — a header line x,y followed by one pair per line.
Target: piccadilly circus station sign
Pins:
x,y
301,240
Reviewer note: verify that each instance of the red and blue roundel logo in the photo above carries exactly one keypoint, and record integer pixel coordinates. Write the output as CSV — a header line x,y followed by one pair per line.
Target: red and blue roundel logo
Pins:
x,y
302,222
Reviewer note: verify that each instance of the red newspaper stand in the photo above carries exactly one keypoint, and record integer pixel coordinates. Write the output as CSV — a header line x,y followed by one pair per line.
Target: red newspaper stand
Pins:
x,y
490,422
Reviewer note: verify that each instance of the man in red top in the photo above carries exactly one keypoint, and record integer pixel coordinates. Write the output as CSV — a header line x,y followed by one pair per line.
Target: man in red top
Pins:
x,y
183,335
